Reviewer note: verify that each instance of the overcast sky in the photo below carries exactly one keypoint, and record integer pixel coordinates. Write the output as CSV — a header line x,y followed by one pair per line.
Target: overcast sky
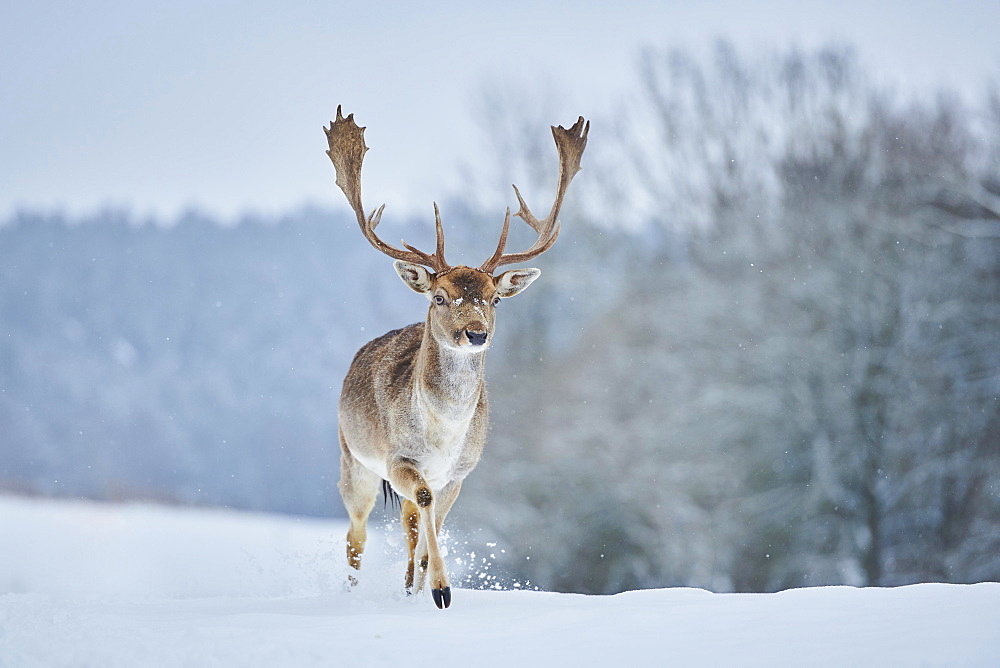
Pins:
x,y
161,105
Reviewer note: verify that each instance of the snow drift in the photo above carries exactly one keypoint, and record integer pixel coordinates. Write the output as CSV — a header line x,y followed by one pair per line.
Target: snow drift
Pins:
x,y
85,584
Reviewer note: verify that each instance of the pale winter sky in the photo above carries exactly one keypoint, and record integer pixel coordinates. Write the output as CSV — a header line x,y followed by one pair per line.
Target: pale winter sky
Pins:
x,y
158,106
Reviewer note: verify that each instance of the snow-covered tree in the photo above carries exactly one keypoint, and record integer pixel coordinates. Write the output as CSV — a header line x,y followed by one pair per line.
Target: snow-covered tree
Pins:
x,y
791,384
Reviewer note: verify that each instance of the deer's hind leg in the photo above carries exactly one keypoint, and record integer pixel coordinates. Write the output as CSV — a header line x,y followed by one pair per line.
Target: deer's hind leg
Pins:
x,y
358,488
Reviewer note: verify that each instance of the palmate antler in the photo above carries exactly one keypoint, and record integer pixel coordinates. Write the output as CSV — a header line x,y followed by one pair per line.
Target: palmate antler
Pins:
x,y
347,152
570,144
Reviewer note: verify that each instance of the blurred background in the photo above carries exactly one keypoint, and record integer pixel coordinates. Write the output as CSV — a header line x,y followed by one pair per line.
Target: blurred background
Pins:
x,y
764,351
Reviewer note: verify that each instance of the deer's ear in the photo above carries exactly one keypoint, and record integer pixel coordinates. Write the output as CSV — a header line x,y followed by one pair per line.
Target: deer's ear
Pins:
x,y
415,276
510,283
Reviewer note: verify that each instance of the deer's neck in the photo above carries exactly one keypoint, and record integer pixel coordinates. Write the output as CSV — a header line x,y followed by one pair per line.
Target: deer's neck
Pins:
x,y
449,381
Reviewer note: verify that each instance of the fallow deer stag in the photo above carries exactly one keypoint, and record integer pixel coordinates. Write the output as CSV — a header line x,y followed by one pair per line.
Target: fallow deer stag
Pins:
x,y
413,408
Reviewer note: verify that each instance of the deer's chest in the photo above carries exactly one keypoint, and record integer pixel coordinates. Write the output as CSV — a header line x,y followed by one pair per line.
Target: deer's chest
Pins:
x,y
446,439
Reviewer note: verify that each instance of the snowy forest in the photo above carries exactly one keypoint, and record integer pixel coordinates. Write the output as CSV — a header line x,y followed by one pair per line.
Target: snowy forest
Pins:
x,y
762,355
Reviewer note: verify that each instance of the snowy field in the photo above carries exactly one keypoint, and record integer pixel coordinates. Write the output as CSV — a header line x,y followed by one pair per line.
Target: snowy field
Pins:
x,y
84,584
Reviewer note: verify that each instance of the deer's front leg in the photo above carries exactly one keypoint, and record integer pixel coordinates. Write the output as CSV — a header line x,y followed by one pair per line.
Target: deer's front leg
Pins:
x,y
443,501
410,519
410,484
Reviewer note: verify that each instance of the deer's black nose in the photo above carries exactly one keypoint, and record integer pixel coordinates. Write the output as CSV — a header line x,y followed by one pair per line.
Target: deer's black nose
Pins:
x,y
476,338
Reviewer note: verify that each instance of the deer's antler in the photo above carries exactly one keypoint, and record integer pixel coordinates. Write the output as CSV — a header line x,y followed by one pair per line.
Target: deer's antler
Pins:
x,y
570,144
347,152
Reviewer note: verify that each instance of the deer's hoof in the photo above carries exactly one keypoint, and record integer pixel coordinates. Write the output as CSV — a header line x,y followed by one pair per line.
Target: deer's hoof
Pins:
x,y
442,597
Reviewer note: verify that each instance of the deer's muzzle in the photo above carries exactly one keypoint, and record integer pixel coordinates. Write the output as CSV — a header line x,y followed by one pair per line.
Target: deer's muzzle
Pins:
x,y
476,338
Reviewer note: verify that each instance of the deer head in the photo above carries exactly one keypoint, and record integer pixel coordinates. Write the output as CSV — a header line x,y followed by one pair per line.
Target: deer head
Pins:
x,y
463,300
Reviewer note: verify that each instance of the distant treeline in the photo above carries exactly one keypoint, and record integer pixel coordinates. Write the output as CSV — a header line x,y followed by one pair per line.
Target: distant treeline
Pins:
x,y
194,363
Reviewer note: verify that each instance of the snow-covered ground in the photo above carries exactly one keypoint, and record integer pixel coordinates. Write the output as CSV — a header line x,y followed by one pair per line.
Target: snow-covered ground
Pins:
x,y
85,584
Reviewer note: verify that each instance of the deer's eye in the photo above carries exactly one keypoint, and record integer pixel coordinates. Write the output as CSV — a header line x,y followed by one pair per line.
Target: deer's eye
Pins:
x,y
496,301
439,300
